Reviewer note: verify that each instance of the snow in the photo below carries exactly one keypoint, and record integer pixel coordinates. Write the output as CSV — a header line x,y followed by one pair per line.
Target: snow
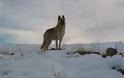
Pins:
x,y
29,62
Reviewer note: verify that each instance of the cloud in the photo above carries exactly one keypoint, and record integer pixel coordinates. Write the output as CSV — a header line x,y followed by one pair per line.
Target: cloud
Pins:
x,y
87,20
19,36
28,14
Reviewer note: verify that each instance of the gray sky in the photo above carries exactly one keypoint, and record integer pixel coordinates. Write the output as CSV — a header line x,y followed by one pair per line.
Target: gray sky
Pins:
x,y
25,21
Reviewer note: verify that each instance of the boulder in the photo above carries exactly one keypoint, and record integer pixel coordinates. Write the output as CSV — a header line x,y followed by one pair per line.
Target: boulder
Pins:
x,y
111,52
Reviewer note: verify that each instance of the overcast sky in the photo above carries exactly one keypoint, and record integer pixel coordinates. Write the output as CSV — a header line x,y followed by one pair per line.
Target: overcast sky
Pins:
x,y
25,21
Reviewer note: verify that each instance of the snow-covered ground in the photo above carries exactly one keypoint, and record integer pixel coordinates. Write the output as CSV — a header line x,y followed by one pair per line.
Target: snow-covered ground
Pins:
x,y
29,62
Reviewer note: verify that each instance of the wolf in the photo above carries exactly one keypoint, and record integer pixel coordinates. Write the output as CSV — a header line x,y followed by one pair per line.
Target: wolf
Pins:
x,y
56,33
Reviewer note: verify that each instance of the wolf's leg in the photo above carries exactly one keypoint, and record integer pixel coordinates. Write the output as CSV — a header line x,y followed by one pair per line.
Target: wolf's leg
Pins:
x,y
56,44
60,41
48,43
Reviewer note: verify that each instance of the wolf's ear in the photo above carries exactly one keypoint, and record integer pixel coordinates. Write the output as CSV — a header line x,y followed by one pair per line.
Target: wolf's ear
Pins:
x,y
63,17
59,17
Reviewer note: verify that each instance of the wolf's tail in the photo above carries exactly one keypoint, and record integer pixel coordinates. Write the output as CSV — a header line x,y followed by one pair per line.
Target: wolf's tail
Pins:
x,y
42,45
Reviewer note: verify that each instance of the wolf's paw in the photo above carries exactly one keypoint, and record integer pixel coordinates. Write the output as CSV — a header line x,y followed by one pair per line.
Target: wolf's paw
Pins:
x,y
60,49
53,49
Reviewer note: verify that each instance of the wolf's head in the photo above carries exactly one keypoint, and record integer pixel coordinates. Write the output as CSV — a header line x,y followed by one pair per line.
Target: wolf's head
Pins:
x,y
61,20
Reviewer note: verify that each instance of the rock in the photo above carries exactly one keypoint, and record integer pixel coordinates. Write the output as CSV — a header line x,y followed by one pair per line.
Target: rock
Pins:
x,y
11,53
121,54
111,52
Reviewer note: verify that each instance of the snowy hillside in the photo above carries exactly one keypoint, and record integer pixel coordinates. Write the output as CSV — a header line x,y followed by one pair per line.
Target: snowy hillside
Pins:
x,y
29,62
98,47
